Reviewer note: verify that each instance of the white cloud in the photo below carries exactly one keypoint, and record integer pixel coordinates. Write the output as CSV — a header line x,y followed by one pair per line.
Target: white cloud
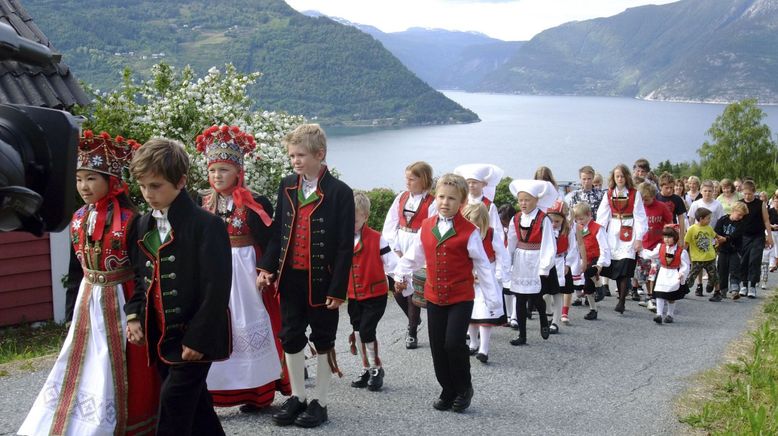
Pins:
x,y
504,19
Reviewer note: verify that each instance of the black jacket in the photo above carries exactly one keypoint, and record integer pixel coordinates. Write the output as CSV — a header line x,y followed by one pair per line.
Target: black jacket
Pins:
x,y
331,234
195,276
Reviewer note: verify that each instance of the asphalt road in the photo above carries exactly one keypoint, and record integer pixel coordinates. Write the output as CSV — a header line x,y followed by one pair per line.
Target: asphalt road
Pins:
x,y
617,375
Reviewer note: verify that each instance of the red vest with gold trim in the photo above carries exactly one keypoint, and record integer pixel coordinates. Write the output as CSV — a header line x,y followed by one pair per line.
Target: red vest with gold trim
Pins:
x,y
237,225
622,205
421,212
367,279
487,202
531,239
562,244
590,242
449,267
300,245
675,263
109,254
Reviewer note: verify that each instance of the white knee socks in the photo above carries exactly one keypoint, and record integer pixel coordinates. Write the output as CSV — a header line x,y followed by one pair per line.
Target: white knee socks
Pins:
x,y
323,378
360,350
486,334
472,330
592,303
670,308
510,306
558,298
295,364
372,354
660,306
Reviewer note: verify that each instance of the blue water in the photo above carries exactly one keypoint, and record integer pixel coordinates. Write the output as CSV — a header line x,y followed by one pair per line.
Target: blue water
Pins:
x,y
520,133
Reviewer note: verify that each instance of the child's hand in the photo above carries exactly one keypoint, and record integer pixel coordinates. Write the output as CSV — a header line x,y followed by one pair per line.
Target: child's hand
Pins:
x,y
135,332
332,303
265,279
637,245
190,354
399,287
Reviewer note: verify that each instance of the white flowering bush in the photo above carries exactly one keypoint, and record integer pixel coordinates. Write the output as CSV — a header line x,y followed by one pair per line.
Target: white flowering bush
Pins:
x,y
180,106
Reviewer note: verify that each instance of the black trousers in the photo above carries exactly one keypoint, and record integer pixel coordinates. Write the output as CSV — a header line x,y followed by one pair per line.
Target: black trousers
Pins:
x,y
410,310
447,326
729,269
185,406
365,314
751,259
297,314
521,308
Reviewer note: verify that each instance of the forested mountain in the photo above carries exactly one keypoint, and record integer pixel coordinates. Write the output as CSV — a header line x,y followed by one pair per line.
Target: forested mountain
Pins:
x,y
445,59
313,66
697,50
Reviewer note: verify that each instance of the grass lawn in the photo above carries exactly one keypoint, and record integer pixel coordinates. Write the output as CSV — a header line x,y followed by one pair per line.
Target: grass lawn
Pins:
x,y
740,397
25,342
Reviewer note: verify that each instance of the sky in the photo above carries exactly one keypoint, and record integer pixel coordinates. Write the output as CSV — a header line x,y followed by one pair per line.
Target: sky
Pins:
x,y
510,20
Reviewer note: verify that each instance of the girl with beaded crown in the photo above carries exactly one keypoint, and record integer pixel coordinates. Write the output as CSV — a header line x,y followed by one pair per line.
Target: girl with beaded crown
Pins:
x,y
250,377
100,384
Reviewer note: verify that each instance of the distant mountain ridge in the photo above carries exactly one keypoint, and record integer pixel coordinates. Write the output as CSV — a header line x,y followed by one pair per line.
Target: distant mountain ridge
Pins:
x,y
445,59
313,66
691,50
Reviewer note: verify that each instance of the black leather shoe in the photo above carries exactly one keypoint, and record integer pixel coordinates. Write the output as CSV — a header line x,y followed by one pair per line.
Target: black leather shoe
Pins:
x,y
314,416
361,381
290,410
577,303
545,332
592,315
250,408
443,403
553,328
619,307
658,319
521,340
483,358
376,379
411,343
462,401
473,351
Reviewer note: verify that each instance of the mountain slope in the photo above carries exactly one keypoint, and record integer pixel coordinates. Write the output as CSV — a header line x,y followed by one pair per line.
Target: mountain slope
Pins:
x,y
697,50
313,66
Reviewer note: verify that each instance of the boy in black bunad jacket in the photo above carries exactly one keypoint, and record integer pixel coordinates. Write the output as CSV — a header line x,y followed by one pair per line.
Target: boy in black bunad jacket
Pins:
x,y
181,256
367,293
452,248
309,253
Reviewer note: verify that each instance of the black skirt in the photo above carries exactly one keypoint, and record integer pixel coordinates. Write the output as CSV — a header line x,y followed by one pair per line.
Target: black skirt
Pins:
x,y
678,294
622,268
568,287
549,285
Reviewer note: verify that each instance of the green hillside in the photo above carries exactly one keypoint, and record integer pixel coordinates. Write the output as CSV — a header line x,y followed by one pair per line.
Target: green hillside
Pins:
x,y
697,50
327,71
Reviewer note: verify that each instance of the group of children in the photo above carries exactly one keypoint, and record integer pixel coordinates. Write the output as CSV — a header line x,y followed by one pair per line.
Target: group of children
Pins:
x,y
212,301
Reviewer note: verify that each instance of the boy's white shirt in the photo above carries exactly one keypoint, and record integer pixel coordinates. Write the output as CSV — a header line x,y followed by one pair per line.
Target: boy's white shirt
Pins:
x,y
414,259
163,225
715,207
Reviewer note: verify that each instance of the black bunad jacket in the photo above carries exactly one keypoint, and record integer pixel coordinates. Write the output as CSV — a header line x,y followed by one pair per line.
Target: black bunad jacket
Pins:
x,y
193,270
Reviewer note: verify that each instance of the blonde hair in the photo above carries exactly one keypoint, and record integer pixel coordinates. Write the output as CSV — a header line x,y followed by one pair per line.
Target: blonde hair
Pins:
x,y
160,156
693,179
477,214
707,184
739,207
647,189
422,170
582,209
311,137
361,202
458,182
597,179
544,173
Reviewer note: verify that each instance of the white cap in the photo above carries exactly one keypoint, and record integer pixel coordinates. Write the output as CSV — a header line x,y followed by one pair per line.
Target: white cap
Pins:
x,y
542,190
487,173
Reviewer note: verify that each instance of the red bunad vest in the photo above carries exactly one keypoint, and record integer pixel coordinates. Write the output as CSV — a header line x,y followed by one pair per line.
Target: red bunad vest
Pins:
x,y
590,242
562,244
449,267
529,240
300,245
367,279
675,263
414,224
488,247
622,207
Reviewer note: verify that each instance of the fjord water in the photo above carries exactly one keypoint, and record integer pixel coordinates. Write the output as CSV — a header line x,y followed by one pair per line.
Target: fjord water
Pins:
x,y
520,133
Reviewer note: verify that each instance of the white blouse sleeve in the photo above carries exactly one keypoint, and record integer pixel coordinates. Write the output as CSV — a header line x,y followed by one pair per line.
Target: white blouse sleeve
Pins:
x,y
651,254
412,260
391,223
502,257
605,250
547,247
483,269
495,223
573,257
604,212
683,271
389,258
432,210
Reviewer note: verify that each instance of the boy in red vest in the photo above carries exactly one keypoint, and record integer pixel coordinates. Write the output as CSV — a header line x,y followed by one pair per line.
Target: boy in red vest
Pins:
x,y
367,289
598,254
451,246
309,253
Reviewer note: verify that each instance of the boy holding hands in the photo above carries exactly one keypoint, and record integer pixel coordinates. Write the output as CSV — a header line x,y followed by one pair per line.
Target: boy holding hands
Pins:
x,y
309,253
181,256
701,240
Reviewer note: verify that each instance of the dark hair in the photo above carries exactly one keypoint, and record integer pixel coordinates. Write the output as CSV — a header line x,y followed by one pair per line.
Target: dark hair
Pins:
x,y
671,231
701,213
163,157
642,164
506,212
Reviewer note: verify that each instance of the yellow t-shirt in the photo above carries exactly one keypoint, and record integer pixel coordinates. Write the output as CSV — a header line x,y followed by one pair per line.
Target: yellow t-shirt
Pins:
x,y
700,241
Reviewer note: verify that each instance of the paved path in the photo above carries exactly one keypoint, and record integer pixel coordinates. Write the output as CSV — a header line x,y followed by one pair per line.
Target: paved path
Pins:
x,y
614,376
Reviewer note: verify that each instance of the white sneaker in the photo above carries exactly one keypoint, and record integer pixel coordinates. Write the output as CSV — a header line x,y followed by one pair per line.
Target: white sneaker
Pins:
x,y
651,306
752,292
764,286
643,303
743,291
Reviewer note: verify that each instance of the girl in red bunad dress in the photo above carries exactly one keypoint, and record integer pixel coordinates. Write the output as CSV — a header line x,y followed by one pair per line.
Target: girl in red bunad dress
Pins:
x,y
253,373
100,384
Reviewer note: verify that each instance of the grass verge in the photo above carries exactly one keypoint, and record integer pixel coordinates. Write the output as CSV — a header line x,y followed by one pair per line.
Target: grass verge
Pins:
x,y
740,397
27,341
